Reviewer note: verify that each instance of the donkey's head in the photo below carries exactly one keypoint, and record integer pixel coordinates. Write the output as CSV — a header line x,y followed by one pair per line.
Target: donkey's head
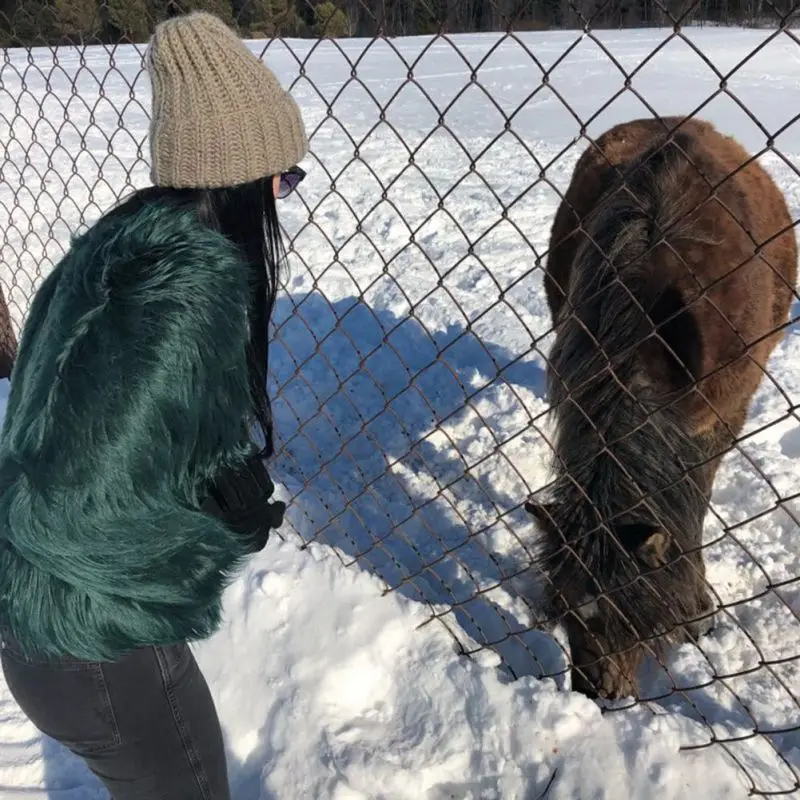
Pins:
x,y
609,581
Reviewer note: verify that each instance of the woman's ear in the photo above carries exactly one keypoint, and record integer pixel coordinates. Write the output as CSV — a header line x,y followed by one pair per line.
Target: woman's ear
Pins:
x,y
276,185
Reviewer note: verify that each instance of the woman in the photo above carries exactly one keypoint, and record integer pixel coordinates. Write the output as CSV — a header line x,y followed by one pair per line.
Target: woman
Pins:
x,y
8,341
131,488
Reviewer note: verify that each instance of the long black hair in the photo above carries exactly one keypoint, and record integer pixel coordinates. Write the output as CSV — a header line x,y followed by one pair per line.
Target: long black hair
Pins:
x,y
247,216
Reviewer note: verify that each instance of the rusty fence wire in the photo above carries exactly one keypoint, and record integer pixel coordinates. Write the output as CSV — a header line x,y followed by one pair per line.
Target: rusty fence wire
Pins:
x,y
412,338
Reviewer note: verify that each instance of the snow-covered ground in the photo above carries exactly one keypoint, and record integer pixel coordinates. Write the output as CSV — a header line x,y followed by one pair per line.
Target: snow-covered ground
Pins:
x,y
409,407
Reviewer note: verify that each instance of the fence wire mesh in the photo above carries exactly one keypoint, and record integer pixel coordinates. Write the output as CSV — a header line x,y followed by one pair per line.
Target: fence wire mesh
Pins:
x,y
410,342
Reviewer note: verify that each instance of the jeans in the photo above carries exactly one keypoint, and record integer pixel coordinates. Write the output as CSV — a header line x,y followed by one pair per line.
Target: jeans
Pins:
x,y
145,725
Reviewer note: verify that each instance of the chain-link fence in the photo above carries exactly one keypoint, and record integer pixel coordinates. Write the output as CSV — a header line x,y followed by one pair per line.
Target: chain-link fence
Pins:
x,y
412,340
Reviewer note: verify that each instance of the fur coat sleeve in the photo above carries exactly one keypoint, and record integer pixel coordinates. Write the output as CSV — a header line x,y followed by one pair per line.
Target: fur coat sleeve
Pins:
x,y
129,394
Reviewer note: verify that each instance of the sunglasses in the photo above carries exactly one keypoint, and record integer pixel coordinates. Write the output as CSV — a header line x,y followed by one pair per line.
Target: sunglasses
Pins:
x,y
290,180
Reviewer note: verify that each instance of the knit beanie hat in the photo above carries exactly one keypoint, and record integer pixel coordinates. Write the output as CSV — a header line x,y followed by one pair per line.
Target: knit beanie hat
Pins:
x,y
220,117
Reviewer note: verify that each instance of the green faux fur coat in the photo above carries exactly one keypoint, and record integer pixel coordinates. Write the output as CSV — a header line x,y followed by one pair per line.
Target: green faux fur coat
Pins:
x,y
129,393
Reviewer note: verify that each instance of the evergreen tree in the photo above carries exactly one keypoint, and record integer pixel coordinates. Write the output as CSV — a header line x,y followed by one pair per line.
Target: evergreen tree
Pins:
x,y
274,18
131,19
77,20
31,23
330,21
221,8
42,22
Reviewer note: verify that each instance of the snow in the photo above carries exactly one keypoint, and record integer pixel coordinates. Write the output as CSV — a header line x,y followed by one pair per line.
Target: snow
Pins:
x,y
409,408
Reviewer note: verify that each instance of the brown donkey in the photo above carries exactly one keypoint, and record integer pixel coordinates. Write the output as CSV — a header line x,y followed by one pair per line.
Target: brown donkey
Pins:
x,y
671,271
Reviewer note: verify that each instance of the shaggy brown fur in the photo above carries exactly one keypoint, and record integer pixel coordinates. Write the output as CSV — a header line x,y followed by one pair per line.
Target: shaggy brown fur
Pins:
x,y
670,274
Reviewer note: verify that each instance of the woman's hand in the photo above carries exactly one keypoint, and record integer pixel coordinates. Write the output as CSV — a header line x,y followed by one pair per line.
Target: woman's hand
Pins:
x,y
240,499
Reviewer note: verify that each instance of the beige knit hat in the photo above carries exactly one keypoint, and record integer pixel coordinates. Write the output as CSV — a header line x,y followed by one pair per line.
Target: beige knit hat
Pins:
x,y
220,117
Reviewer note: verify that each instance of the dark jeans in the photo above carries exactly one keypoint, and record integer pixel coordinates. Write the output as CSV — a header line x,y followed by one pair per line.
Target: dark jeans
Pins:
x,y
145,725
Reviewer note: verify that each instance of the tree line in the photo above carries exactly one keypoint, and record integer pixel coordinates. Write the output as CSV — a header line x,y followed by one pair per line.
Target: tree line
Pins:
x,y
48,22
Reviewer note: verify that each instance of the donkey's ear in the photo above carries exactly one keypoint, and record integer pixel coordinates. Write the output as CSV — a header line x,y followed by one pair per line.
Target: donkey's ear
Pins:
x,y
542,513
647,542
653,550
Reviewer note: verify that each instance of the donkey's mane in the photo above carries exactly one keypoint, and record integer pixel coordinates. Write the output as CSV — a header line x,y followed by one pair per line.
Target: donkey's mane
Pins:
x,y
622,451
